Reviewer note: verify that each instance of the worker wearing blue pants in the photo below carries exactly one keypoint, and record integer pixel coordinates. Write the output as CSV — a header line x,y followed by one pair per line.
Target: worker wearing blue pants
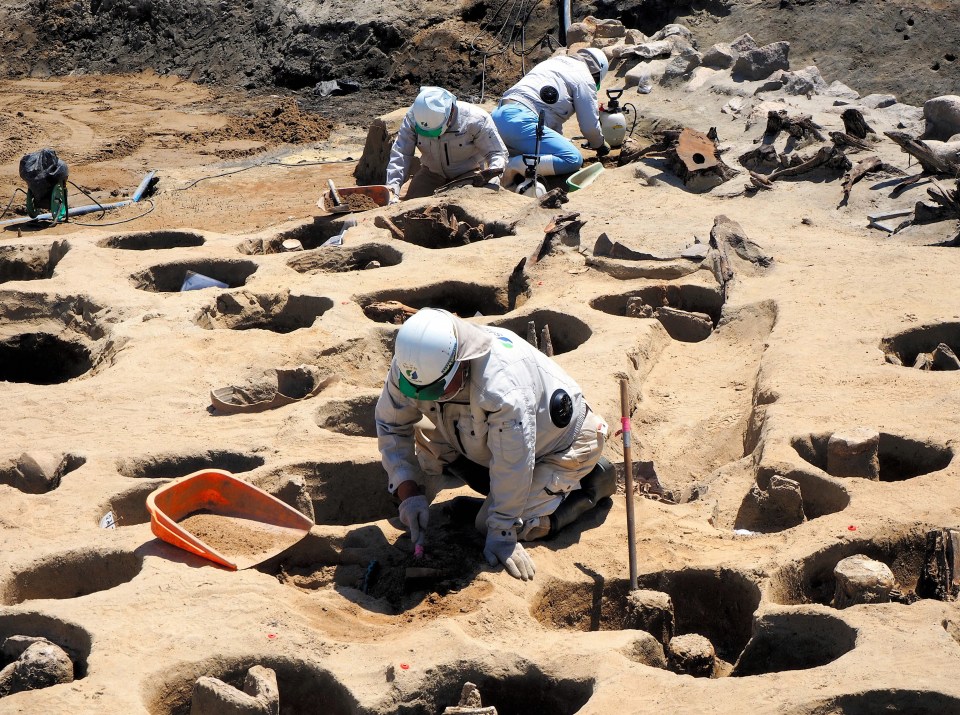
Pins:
x,y
558,87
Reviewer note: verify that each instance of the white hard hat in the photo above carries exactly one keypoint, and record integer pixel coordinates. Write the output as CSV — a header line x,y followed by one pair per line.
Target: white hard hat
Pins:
x,y
431,111
596,61
426,354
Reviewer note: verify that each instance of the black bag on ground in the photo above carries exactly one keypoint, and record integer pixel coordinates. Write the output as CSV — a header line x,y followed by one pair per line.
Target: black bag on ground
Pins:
x,y
42,170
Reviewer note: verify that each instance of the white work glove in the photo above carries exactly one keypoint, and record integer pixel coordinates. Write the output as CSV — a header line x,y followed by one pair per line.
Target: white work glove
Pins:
x,y
414,514
394,196
502,547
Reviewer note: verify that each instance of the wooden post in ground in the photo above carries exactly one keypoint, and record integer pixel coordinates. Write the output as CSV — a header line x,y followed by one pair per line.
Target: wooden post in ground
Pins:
x,y
628,480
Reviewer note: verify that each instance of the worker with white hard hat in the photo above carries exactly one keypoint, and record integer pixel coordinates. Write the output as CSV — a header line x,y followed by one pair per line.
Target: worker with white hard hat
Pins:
x,y
558,87
455,138
504,418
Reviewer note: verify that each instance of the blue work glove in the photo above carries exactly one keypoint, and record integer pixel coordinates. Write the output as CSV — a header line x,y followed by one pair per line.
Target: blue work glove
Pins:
x,y
502,547
414,514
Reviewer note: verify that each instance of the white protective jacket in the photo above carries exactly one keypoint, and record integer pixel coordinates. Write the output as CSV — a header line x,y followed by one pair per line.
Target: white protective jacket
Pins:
x,y
470,143
559,87
500,419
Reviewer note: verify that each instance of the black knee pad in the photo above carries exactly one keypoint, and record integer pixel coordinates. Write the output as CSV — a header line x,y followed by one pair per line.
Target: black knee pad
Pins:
x,y
602,481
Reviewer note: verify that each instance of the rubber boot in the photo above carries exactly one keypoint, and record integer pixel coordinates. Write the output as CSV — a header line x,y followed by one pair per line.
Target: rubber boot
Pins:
x,y
474,475
599,483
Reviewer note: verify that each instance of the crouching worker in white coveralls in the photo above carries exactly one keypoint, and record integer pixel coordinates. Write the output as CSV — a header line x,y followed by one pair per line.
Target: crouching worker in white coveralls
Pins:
x,y
454,138
506,419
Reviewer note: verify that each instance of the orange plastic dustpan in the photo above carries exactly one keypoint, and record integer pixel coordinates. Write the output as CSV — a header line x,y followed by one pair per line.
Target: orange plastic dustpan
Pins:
x,y
242,507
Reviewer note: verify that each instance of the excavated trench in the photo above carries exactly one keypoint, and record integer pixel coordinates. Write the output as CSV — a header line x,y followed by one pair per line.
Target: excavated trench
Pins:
x,y
30,263
900,458
341,259
448,226
276,312
303,687
691,311
170,466
71,575
74,640
567,333
812,581
169,277
466,300
353,417
153,241
718,604
42,359
909,347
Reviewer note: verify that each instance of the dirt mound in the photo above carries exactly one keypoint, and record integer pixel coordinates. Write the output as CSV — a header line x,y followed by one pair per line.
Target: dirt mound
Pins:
x,y
285,123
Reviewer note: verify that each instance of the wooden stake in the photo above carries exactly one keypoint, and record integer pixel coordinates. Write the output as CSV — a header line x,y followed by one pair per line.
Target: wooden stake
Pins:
x,y
532,334
628,478
546,344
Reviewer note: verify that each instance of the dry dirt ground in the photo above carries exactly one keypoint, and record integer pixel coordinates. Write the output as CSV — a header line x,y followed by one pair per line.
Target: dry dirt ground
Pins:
x,y
115,383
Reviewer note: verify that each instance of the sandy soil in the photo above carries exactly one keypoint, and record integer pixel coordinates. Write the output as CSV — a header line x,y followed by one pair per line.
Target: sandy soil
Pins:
x,y
118,388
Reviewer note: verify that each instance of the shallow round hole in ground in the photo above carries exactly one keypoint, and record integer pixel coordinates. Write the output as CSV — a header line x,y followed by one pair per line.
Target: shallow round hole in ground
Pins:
x,y
448,226
29,263
71,575
898,458
688,313
344,492
718,604
783,499
794,641
38,472
153,241
42,359
129,507
310,236
304,688
276,312
889,701
916,347
170,466
74,640
513,688
812,581
342,259
567,333
169,277
353,416
464,299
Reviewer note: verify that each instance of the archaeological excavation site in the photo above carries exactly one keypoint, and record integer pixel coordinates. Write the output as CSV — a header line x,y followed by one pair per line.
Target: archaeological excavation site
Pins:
x,y
755,289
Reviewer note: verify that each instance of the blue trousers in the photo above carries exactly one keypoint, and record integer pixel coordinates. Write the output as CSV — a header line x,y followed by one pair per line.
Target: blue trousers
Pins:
x,y
517,126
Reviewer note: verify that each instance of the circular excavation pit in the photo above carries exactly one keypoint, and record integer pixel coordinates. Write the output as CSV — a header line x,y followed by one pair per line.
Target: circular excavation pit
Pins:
x,y
276,312
717,604
38,473
341,259
513,688
169,277
353,417
171,466
812,580
567,333
73,639
780,501
42,359
689,313
931,348
309,236
71,575
892,701
447,226
879,456
304,688
129,507
153,241
466,300
30,263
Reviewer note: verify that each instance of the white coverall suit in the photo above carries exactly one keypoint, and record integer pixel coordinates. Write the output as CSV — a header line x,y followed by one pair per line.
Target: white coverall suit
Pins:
x,y
471,143
500,419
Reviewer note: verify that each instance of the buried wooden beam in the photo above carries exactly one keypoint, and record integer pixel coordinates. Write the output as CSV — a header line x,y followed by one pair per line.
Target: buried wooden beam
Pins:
x,y
854,124
931,160
855,173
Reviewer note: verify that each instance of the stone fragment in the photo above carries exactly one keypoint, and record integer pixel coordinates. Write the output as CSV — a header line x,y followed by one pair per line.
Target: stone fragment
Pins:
x,y
680,67
651,50
40,665
785,495
579,32
721,56
854,453
634,37
646,650
650,611
609,28
923,362
39,472
805,82
878,101
686,326
371,265
673,30
691,654
644,75
942,117
14,646
733,106
944,358
760,63
860,579
893,359
744,43
260,695
637,308
470,703
841,91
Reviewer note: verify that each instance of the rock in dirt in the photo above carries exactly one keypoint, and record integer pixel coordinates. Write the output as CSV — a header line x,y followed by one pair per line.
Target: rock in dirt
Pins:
x,y
854,453
260,695
470,703
650,611
691,654
762,62
721,56
860,579
685,326
780,506
637,308
943,358
35,472
40,665
942,117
